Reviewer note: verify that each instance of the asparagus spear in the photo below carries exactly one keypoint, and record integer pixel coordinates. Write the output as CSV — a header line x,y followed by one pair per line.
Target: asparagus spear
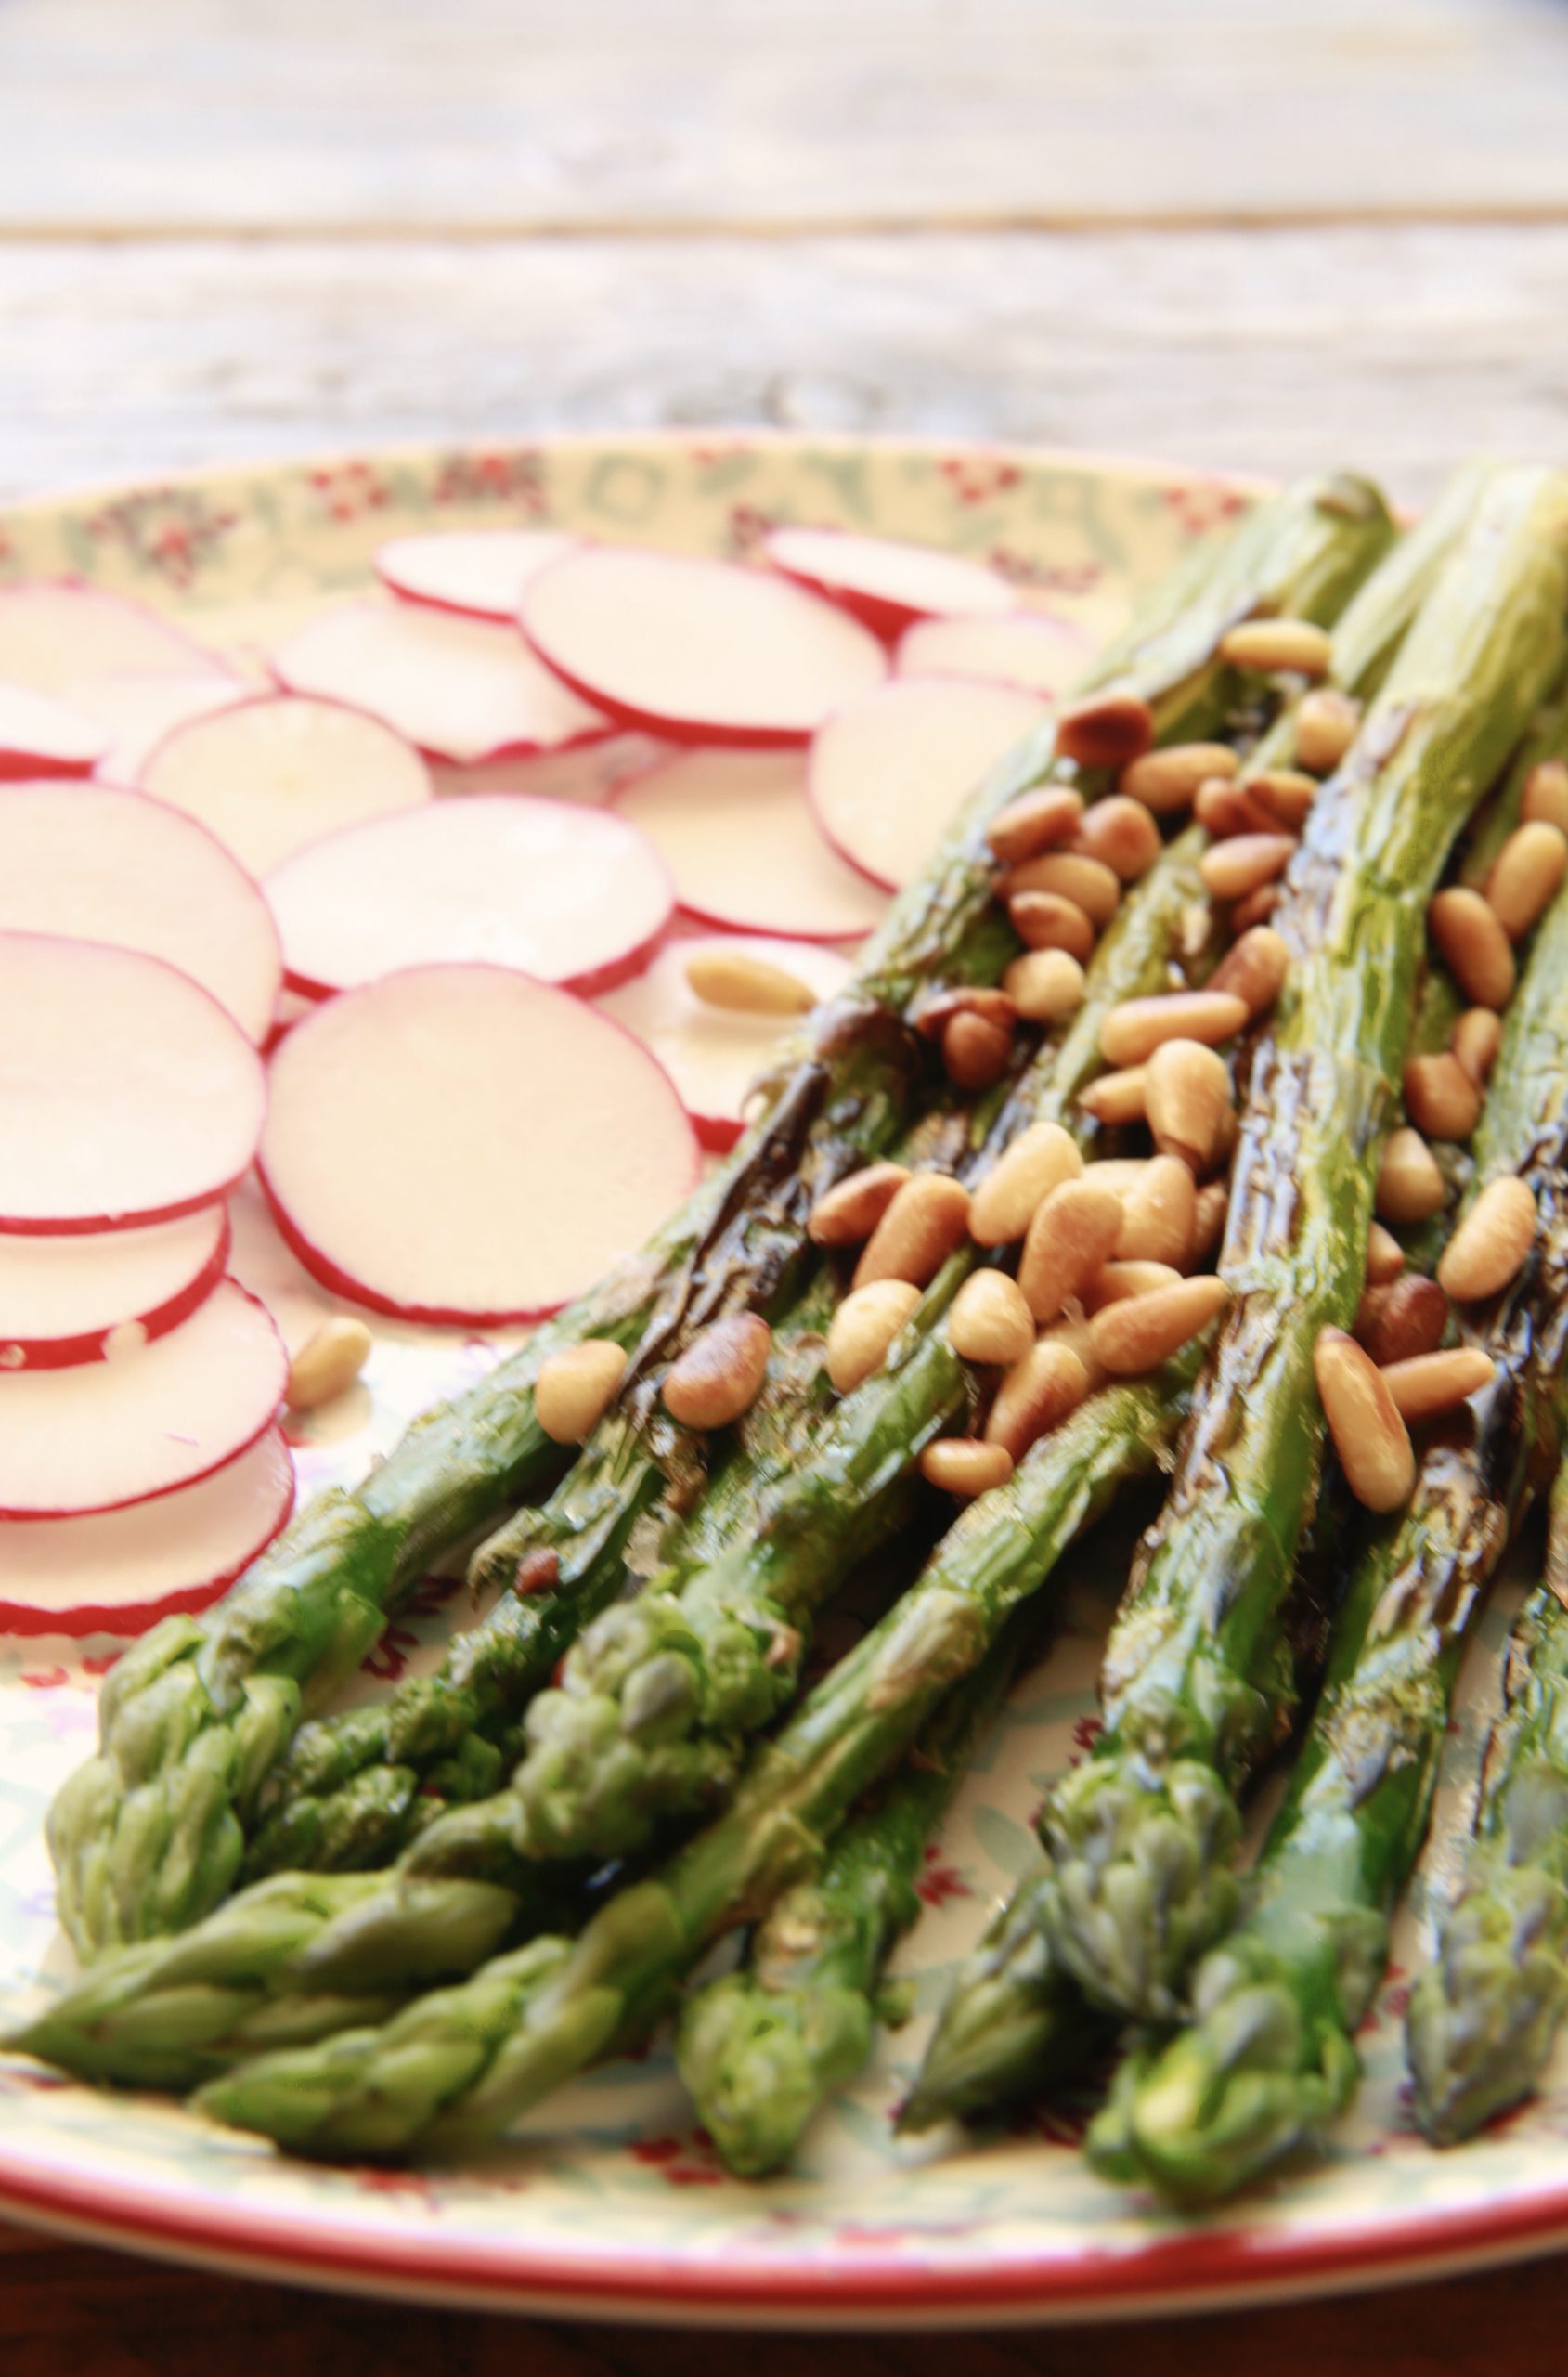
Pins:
x,y
1196,1682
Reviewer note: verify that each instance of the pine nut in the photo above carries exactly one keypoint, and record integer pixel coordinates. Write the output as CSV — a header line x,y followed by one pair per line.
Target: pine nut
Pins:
x,y
1526,876
1327,724
1159,1216
1005,1202
1140,1332
1385,1256
1087,882
1369,1437
1475,1039
1044,920
1073,1332
1473,946
1122,835
1132,1032
1406,1317
1234,869
1430,1383
1072,1235
1036,1394
975,1053
966,1466
1045,985
744,985
1115,1281
862,1329
720,1373
1223,810
1277,648
1104,730
927,1220
1254,968
576,1387
1034,822
1257,908
1490,1244
1440,1097
1115,1099
328,1362
1167,781
1120,1174
1544,798
934,1015
1187,1099
1410,1183
848,1212
1283,797
991,1320
1210,1208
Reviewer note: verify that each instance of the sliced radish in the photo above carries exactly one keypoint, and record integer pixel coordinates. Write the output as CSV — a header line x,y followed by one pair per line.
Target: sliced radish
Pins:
x,y
479,571
575,896
460,1144
127,1094
65,1300
137,712
457,689
270,774
887,775
40,736
1024,649
585,771
118,1572
697,649
150,1416
91,863
52,630
884,583
713,1054
739,835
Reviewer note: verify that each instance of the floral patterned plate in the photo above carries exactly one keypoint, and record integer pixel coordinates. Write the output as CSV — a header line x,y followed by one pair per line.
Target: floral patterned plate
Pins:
x,y
609,2201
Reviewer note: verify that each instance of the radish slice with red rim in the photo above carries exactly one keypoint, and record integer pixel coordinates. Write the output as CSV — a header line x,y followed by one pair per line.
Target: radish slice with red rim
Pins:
x,y
456,689
99,1436
90,862
127,1094
118,1572
137,713
460,1144
1025,649
883,583
65,1300
43,736
588,772
742,841
570,895
713,1055
273,773
479,572
699,650
52,630
889,775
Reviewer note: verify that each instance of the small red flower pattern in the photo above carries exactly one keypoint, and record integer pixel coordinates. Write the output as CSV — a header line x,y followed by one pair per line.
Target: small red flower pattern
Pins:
x,y
974,478
169,532
44,1679
939,1881
371,2180
748,529
389,1661
1199,506
688,2162
502,474
349,491
1086,1732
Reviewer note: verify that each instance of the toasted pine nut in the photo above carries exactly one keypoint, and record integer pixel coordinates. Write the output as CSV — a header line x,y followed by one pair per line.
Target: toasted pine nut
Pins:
x,y
1158,1216
720,1373
1526,876
975,1053
1369,1437
966,1466
1044,985
576,1387
934,1015
744,985
848,1212
1036,1394
1327,724
1034,822
1073,1233
1473,946
1210,1208
1254,968
1122,834
1115,1099
1492,1242
1475,1039
1044,920
1410,1183
1187,1101
1120,1174
1087,882
863,1327
1430,1383
1140,1332
1544,798
991,1320
1440,1097
1282,796
1072,1332
1385,1256
926,1221
1257,908
1106,730
328,1362
1005,1202
1114,1281
1167,781
1234,869
1401,1319
1223,810
1277,646
1132,1032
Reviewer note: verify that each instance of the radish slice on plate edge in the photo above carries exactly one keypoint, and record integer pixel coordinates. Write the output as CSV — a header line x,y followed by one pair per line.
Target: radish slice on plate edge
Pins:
x,y
884,581
1028,649
41,735
71,1299
56,629
480,573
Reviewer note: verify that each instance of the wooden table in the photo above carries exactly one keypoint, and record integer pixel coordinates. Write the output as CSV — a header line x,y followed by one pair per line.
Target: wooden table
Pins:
x,y
1233,232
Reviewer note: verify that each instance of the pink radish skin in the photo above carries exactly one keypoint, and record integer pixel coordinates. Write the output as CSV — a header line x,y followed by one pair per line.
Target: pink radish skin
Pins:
x,y
69,1300
742,841
119,1572
458,1144
53,629
127,1094
713,1055
101,1436
137,713
86,861
457,689
1025,649
570,895
42,736
701,651
273,773
883,583
887,775
479,573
